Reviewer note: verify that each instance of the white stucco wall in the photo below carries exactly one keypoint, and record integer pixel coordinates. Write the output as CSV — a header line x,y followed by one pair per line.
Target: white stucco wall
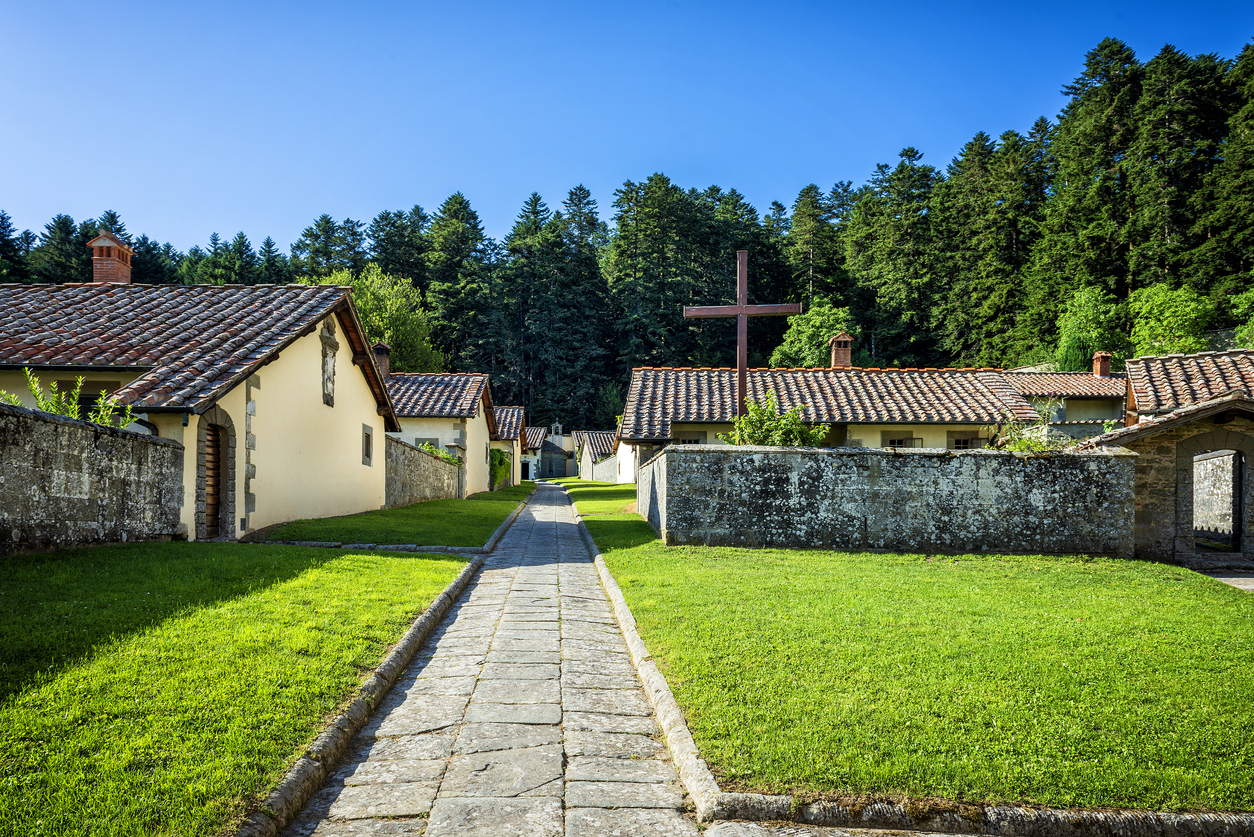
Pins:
x,y
1082,409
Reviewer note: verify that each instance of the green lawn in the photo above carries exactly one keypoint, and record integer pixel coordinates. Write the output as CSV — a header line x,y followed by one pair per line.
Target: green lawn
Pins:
x,y
163,688
594,498
468,522
1059,681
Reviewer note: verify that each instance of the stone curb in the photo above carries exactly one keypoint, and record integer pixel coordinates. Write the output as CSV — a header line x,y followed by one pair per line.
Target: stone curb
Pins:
x,y
411,547
312,768
1000,820
693,772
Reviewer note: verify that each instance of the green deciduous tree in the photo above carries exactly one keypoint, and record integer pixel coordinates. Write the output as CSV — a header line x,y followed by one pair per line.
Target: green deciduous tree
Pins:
x,y
1089,323
806,341
1166,321
764,425
391,310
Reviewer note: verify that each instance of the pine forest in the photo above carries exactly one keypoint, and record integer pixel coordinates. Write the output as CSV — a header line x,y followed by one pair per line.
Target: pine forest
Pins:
x,y
1126,224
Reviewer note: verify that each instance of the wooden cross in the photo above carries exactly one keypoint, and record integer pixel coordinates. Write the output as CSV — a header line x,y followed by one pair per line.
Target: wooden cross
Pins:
x,y
742,311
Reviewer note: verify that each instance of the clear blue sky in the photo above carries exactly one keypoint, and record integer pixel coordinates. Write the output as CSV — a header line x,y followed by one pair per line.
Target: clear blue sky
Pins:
x,y
194,118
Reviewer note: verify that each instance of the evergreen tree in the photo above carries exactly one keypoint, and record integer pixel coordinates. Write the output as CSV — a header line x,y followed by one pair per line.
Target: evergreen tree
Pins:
x,y
1223,260
1181,119
13,266
814,247
1085,236
326,247
891,251
62,254
189,266
459,293
152,263
272,267
398,242
111,222
243,267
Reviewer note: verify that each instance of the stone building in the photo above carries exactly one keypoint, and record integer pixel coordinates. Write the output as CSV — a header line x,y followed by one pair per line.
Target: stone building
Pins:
x,y
272,390
557,454
1160,384
450,411
1176,467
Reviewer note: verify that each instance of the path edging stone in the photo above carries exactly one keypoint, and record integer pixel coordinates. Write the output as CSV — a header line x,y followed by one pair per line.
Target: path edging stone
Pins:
x,y
1001,820
312,768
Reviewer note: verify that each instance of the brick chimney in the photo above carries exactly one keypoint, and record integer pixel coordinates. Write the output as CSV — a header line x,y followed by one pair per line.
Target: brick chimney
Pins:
x,y
1101,364
110,260
383,358
842,351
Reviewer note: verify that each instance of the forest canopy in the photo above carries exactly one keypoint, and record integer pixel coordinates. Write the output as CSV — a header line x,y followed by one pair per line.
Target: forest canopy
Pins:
x,y
1126,225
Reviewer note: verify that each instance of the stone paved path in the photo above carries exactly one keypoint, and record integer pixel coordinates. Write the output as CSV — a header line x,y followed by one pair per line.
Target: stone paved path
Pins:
x,y
1243,580
521,715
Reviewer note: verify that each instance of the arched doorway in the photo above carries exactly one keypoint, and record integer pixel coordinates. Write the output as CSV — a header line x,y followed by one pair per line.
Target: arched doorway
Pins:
x,y
215,475
1213,495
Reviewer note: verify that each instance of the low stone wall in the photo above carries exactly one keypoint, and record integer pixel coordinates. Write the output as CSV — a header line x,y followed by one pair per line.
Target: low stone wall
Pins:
x,y
70,483
606,470
415,475
1214,488
907,500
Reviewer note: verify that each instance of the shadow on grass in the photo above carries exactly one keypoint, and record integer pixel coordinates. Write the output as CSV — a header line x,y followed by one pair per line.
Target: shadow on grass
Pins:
x,y
57,608
619,531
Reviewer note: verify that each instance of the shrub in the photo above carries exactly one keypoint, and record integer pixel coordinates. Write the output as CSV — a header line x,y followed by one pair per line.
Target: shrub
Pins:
x,y
498,469
763,425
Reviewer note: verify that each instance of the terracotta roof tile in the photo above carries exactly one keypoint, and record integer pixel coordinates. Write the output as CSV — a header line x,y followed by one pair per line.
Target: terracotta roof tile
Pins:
x,y
509,423
536,437
190,344
439,394
1168,382
600,441
658,397
1067,384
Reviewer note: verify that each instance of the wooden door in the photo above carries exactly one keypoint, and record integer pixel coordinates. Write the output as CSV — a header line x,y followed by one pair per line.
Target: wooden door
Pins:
x,y
213,480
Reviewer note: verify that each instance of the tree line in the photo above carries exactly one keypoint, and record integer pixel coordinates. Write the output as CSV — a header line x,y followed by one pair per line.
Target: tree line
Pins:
x,y
1126,225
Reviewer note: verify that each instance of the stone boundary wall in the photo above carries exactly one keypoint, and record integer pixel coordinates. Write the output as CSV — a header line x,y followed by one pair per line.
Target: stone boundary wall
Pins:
x,y
67,483
413,475
908,500
606,470
1215,485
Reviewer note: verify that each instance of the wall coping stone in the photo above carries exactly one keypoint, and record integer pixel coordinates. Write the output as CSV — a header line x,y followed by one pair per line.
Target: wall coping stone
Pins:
x,y
27,412
962,818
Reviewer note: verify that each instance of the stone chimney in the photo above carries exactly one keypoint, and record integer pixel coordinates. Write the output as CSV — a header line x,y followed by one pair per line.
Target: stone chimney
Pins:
x,y
383,358
1101,364
110,260
842,351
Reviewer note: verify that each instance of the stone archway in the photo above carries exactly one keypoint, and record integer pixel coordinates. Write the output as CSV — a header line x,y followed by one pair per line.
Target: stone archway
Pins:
x,y
1185,546
218,418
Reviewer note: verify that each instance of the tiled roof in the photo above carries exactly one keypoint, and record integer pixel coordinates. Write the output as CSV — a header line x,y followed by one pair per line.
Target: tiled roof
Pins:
x,y
658,397
1067,384
536,437
600,441
1170,381
509,423
191,344
437,394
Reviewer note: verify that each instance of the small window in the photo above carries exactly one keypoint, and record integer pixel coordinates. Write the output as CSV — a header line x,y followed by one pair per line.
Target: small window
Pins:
x,y
964,439
964,444
689,441
904,442
367,445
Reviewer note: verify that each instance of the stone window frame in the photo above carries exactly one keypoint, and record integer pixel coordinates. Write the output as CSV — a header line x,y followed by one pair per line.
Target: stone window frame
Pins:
x,y
226,510
367,445
1185,544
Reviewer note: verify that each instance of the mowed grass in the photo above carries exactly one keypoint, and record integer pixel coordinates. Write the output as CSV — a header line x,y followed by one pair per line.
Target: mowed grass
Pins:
x,y
163,689
468,522
1051,680
593,498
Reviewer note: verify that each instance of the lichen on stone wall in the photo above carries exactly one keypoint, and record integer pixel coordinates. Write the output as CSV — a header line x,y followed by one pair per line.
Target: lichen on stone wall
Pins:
x,y
413,475
68,483
909,500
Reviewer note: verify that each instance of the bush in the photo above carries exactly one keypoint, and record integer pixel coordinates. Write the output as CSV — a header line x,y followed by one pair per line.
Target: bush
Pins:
x,y
765,426
498,468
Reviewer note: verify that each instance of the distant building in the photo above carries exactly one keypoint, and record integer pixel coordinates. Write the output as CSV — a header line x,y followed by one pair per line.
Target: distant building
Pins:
x,y
451,411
